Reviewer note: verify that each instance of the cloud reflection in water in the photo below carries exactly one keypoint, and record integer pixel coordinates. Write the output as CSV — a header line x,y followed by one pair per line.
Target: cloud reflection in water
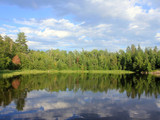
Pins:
x,y
85,105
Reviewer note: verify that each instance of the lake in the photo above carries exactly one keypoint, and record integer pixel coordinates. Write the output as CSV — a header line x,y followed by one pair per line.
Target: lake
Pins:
x,y
80,97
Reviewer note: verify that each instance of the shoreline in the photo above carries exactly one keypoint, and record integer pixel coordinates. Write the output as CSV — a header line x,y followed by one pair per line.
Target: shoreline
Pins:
x,y
155,73
11,73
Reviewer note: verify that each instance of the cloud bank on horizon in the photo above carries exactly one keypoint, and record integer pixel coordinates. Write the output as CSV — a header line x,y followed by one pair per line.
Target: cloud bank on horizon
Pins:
x,y
88,24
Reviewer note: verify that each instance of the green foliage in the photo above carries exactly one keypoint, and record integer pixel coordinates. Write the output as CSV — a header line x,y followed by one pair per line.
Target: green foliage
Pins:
x,y
133,59
11,73
21,41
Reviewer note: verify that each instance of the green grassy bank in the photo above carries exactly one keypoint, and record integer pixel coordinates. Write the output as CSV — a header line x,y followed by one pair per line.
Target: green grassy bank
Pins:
x,y
11,73
155,72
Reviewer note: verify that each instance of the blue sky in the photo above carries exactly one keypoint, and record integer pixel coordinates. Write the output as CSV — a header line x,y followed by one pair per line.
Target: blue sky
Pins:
x,y
88,24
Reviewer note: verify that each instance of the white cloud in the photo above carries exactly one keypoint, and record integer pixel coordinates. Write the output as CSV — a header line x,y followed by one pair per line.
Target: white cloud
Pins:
x,y
13,31
40,45
29,22
132,26
51,33
82,37
33,43
63,34
85,9
26,30
12,36
9,26
94,24
158,36
2,30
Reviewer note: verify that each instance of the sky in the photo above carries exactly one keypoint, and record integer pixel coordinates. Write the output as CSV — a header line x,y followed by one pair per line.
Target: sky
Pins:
x,y
82,24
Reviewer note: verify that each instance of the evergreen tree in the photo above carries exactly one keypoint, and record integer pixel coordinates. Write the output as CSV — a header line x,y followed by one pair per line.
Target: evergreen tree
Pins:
x,y
22,43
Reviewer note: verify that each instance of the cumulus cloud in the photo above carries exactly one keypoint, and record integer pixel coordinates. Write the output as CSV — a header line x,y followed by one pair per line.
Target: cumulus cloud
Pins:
x,y
101,24
61,33
85,9
158,36
49,32
2,29
8,26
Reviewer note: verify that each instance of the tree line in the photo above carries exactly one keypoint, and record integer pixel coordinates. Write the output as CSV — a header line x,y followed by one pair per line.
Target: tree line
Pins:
x,y
16,55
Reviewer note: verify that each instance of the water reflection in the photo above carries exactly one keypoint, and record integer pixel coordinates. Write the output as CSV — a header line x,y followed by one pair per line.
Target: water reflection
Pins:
x,y
80,96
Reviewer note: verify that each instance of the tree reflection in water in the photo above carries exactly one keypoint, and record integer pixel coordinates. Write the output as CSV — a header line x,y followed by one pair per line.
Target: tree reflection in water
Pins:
x,y
16,88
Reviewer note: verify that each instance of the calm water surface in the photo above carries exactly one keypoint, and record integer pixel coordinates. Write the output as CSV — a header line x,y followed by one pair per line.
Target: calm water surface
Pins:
x,y
80,97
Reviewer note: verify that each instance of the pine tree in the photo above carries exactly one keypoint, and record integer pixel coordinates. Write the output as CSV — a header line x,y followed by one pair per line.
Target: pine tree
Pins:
x,y
21,40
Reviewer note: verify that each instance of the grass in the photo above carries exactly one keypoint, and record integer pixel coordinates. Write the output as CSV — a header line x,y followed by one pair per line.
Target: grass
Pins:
x,y
11,73
155,72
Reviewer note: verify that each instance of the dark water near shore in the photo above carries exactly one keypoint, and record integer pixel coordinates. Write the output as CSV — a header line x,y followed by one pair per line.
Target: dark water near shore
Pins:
x,y
80,97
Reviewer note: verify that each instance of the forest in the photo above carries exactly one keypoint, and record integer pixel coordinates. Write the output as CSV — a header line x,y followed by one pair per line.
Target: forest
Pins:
x,y
15,55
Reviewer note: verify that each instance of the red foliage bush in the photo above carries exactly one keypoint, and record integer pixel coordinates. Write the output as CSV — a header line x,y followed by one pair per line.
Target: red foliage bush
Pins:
x,y
16,60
